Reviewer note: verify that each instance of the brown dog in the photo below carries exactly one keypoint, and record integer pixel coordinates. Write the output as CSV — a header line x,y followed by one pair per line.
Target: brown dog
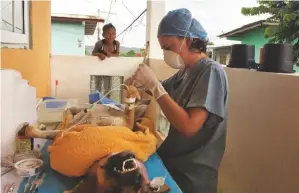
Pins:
x,y
118,173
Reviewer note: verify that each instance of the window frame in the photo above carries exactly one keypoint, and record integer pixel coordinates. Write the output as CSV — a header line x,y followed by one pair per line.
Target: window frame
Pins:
x,y
18,40
225,58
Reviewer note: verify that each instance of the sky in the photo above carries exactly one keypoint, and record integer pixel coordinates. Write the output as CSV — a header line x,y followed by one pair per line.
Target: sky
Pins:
x,y
216,16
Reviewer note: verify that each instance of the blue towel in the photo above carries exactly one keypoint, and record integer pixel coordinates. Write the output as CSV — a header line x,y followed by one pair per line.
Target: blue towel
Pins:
x,y
57,183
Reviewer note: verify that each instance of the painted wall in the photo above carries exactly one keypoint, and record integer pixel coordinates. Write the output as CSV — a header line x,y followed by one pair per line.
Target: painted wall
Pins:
x,y
77,86
68,38
34,64
262,145
296,68
254,37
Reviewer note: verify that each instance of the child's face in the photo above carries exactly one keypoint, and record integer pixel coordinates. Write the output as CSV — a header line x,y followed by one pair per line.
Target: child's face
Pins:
x,y
110,34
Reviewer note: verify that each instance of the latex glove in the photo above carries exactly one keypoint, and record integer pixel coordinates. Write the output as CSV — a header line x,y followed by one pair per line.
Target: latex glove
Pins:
x,y
145,76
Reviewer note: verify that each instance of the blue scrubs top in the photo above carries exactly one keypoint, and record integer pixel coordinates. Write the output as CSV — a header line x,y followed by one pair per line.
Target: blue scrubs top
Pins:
x,y
193,161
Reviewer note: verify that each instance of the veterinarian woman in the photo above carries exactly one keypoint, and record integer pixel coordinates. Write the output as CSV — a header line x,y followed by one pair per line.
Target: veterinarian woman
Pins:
x,y
194,100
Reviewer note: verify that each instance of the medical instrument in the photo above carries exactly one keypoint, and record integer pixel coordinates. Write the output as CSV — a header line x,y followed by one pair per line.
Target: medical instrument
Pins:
x,y
9,188
113,89
37,182
145,58
7,170
27,185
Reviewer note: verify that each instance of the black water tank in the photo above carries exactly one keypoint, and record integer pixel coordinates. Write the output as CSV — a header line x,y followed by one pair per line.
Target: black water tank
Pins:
x,y
242,56
277,58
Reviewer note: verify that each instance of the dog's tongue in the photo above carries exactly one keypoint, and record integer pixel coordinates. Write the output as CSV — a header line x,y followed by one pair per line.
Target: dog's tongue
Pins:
x,y
143,171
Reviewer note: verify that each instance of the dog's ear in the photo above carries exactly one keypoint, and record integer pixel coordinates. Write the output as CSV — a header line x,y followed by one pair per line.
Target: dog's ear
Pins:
x,y
126,88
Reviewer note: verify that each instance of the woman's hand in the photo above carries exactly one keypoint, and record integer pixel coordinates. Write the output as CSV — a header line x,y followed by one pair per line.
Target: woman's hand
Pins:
x,y
145,76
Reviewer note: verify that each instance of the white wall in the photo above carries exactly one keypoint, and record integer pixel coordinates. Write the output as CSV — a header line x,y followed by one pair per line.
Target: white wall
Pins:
x,y
73,73
18,101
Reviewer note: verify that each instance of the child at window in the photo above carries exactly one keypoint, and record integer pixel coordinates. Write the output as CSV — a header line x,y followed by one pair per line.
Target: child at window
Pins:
x,y
108,46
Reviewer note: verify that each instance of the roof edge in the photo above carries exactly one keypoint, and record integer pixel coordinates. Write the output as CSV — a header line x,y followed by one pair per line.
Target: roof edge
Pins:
x,y
247,27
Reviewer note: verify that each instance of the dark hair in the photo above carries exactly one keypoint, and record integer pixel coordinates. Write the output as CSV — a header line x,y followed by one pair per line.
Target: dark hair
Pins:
x,y
108,26
199,45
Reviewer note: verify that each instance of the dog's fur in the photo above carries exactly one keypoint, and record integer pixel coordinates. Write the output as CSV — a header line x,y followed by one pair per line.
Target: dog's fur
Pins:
x,y
110,181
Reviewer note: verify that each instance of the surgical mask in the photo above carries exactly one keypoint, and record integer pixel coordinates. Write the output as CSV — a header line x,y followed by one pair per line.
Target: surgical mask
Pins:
x,y
173,59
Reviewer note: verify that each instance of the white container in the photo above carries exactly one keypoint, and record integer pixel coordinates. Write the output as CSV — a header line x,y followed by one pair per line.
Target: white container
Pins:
x,y
29,167
51,111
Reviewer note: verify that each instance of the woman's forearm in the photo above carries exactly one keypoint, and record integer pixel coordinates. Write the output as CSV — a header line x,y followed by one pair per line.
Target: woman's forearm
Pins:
x,y
179,118
175,114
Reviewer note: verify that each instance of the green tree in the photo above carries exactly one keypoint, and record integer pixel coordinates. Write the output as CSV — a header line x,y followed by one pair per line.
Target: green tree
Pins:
x,y
142,50
286,14
131,53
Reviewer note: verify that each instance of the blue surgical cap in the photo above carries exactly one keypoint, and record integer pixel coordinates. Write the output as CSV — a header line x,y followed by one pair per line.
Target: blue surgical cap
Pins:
x,y
180,23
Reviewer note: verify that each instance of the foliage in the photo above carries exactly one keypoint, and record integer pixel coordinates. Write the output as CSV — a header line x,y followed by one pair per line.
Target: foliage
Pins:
x,y
87,52
286,14
132,53
142,50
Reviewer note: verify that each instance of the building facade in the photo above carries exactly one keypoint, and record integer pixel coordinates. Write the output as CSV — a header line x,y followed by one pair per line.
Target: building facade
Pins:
x,y
70,35
68,32
26,43
252,34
